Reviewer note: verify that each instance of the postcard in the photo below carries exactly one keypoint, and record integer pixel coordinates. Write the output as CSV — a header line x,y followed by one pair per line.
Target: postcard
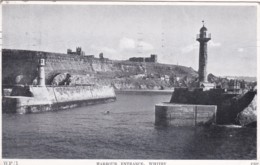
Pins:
x,y
129,83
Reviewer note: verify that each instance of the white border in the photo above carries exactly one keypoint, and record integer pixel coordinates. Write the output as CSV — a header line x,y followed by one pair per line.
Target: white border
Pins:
x,y
146,162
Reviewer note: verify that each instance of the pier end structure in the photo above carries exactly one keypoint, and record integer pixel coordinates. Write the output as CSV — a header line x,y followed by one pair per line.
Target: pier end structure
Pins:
x,y
184,103
169,114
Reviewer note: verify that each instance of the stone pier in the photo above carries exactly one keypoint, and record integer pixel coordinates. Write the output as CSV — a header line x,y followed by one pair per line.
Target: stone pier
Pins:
x,y
169,114
34,99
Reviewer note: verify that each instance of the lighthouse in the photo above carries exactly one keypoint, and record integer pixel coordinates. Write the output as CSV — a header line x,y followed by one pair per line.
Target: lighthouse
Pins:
x,y
41,72
203,39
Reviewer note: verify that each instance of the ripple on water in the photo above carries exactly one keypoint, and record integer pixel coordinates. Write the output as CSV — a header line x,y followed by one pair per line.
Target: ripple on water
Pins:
x,y
127,132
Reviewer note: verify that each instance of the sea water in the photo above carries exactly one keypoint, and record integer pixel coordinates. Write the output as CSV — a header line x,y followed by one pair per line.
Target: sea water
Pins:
x,y
119,130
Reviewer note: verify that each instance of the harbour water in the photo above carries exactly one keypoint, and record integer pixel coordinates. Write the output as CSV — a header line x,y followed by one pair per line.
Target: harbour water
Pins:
x,y
120,130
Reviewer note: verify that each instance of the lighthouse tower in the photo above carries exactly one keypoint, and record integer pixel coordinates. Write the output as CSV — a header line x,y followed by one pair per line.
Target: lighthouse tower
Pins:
x,y
41,72
203,38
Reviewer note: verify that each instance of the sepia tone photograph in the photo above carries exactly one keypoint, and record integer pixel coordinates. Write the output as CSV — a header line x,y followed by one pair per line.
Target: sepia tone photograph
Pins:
x,y
135,81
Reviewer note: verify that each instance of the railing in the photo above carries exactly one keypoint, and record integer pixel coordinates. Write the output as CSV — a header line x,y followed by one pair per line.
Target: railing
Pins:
x,y
198,36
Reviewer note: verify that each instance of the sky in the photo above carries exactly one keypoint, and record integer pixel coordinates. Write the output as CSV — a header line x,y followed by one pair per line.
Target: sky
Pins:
x,y
124,31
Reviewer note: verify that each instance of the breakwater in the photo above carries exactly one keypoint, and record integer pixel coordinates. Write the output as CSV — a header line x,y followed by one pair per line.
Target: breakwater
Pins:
x,y
167,114
31,99
232,108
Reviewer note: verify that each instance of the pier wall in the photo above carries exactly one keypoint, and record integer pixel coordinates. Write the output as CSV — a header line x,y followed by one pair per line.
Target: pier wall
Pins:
x,y
24,63
229,105
15,63
30,99
77,93
168,114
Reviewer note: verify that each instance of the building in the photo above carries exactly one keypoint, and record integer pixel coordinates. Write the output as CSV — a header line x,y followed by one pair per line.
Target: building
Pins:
x,y
207,86
152,58
137,59
234,86
77,52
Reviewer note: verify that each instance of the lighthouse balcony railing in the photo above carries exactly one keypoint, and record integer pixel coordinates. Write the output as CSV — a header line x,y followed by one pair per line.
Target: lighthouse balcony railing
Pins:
x,y
203,36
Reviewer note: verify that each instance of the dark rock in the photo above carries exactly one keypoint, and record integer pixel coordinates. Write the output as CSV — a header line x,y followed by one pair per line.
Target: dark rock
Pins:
x,y
251,125
249,114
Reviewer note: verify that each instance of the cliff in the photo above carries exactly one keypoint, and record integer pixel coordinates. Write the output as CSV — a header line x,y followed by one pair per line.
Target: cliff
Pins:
x,y
20,67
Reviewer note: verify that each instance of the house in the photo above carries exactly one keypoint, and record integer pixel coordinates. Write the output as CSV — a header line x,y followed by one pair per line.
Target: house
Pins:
x,y
207,86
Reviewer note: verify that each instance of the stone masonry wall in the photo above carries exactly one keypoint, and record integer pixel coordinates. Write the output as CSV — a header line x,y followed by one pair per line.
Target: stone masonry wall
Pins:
x,y
78,93
24,62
